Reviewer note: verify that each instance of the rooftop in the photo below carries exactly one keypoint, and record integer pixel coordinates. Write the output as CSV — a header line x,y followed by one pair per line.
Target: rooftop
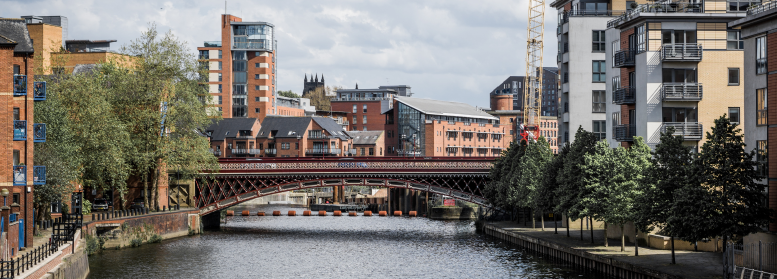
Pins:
x,y
291,127
229,127
444,108
89,41
364,137
14,30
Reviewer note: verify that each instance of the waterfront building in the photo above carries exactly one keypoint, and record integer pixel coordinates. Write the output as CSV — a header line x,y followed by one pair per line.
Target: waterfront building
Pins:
x,y
18,94
234,137
671,64
367,143
514,86
242,70
365,107
756,36
303,137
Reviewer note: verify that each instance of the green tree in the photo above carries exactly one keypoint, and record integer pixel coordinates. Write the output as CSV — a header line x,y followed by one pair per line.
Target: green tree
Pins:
x,y
288,94
528,177
570,179
547,197
501,174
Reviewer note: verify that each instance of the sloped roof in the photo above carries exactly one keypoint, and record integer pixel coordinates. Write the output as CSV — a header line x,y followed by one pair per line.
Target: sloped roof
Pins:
x,y
15,30
229,127
331,127
365,137
290,127
444,108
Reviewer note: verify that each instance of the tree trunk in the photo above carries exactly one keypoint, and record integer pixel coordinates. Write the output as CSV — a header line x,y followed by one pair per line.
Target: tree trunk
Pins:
x,y
581,229
533,220
555,223
605,235
568,224
145,188
672,240
591,222
542,221
636,241
155,190
623,239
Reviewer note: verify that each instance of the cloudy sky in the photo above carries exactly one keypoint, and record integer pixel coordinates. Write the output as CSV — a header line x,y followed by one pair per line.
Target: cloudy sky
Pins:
x,y
444,49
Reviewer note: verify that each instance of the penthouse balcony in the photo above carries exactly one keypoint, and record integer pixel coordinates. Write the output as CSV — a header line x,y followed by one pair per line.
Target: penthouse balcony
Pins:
x,y
20,85
657,8
323,151
681,91
19,130
39,91
212,44
625,58
261,44
319,136
39,175
688,130
360,99
681,52
624,96
625,132
19,175
38,132
763,7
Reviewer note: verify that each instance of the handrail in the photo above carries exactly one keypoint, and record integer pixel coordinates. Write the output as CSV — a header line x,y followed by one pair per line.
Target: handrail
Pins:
x,y
689,130
624,58
624,95
659,7
690,51
682,91
760,8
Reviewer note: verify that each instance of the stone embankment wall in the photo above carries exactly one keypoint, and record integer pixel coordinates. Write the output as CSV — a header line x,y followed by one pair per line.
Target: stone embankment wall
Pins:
x,y
120,232
67,263
453,213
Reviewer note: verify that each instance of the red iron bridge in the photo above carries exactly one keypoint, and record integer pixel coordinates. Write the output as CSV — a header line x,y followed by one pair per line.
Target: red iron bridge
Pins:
x,y
243,179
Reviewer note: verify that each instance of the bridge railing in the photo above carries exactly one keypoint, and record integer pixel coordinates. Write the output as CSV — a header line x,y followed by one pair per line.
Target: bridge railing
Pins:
x,y
308,164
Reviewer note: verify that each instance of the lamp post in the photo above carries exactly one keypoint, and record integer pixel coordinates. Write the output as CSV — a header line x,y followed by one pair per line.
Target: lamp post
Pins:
x,y
6,211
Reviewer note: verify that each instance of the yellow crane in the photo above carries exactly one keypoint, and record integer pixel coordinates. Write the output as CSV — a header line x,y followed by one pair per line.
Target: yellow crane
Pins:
x,y
532,89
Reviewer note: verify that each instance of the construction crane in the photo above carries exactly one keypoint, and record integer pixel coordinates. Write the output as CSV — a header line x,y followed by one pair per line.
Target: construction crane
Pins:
x,y
532,89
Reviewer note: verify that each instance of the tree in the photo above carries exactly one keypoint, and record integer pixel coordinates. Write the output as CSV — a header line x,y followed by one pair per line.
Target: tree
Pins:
x,y
288,94
528,178
570,178
498,191
729,173
547,197
321,98
623,207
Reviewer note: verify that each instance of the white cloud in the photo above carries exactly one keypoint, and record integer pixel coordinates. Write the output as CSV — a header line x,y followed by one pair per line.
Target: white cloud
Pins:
x,y
443,49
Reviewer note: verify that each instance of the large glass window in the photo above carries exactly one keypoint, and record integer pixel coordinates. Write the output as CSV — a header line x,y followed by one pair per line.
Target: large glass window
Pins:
x,y
599,99
762,157
204,54
734,41
598,41
598,71
679,115
760,107
678,75
600,129
411,127
760,55
640,30
678,36
740,6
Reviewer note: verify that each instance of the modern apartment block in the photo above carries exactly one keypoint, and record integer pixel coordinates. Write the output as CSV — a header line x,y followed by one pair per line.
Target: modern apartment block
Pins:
x,y
758,32
242,70
672,64
514,86
18,93
364,108
581,56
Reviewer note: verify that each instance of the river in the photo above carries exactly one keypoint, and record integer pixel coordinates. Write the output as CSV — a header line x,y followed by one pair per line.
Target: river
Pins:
x,y
329,247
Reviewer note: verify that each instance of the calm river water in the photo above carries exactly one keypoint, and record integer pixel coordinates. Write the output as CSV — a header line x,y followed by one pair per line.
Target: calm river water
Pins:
x,y
329,247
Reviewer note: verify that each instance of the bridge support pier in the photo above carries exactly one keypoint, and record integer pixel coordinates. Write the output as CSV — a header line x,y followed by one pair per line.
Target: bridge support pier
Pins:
x,y
212,221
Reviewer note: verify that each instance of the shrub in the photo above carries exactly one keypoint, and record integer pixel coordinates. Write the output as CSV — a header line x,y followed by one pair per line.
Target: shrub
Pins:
x,y
136,242
86,208
155,238
92,244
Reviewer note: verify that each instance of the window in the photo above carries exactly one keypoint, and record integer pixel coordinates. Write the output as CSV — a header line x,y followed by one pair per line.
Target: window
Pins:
x,y
733,76
372,151
740,6
256,76
15,198
364,129
598,71
733,115
678,75
640,30
364,108
219,76
734,41
354,120
362,150
760,107
256,99
598,41
687,115
599,100
600,130
761,156
204,54
760,55
220,89
285,145
256,110
296,145
219,65
220,100
364,120
256,65
354,111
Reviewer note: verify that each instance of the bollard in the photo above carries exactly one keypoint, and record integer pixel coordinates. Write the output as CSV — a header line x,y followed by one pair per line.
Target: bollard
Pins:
x,y
322,213
306,213
260,213
276,213
230,213
352,214
245,213
382,213
337,213
292,213
367,213
412,214
164,208
397,213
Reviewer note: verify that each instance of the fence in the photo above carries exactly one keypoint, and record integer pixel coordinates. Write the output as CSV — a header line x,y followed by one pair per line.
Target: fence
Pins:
x,y
64,230
753,259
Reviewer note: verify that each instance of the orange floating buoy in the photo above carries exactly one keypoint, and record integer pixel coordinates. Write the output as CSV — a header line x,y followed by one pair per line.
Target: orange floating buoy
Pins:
x,y
260,213
352,213
306,213
322,213
245,213
276,213
230,213
383,213
397,213
412,214
367,213
337,213
292,213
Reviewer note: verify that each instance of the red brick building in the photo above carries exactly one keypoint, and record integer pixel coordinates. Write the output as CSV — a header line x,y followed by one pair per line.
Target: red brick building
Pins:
x,y
365,107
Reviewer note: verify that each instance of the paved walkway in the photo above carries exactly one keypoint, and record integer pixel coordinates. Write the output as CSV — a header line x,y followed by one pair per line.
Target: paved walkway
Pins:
x,y
690,264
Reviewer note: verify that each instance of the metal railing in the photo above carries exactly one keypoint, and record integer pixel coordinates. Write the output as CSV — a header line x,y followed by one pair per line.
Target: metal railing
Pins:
x,y
688,130
15,267
361,99
625,58
20,130
39,175
323,151
270,151
245,151
760,8
625,132
681,52
681,91
39,91
252,45
39,132
624,95
19,85
750,260
319,136
212,44
19,175
244,136
216,152
660,7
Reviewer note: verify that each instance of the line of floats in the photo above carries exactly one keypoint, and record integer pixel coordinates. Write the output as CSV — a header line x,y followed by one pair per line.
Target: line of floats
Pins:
x,y
322,213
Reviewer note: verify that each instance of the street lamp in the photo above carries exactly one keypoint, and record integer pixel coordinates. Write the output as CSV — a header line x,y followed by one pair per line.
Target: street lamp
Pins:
x,y
4,193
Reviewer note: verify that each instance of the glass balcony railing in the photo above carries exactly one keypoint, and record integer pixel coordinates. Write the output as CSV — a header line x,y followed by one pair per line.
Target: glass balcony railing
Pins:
x,y
217,153
19,175
39,91
19,130
19,85
212,44
322,151
39,175
681,52
624,96
681,91
39,132
688,130
270,151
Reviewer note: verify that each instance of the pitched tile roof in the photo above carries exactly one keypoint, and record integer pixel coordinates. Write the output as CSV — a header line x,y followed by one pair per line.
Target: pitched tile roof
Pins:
x,y
230,127
290,127
365,137
15,30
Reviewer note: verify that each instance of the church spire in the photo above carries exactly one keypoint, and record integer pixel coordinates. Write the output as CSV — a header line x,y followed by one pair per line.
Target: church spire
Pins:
x,y
306,78
322,78
357,85
316,77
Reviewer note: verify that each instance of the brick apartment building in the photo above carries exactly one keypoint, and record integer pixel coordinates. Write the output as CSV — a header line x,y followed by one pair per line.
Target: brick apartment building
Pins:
x,y
367,143
364,108
18,93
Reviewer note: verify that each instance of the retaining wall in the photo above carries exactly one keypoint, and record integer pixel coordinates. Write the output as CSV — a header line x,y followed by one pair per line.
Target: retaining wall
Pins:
x,y
119,232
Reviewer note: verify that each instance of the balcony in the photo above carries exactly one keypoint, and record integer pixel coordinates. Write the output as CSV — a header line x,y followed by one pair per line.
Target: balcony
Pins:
x,y
39,91
681,91
19,130
20,85
681,52
352,151
212,44
322,151
19,175
624,96
688,130
625,132
657,7
624,58
217,153
360,99
319,136
241,151
270,151
261,45
39,175
38,132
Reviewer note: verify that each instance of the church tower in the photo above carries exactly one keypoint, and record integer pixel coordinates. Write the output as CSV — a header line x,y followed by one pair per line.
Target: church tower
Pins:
x,y
312,85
